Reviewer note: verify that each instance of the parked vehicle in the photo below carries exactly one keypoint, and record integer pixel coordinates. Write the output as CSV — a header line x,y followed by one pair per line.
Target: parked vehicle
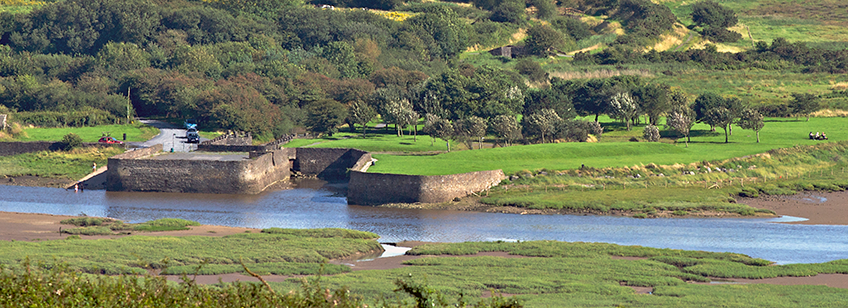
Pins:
x,y
190,123
192,136
109,140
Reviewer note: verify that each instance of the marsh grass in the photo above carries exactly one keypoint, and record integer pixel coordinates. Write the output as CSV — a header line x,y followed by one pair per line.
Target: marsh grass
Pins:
x,y
679,189
133,254
107,226
593,274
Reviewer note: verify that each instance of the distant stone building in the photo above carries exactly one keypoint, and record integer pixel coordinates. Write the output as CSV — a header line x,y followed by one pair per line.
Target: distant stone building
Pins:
x,y
508,51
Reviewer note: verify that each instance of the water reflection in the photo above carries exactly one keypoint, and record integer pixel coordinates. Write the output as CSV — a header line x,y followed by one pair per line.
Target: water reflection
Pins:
x,y
321,207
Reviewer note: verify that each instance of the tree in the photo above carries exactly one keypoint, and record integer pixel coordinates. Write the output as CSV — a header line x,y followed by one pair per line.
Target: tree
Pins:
x,y
753,120
449,32
545,9
324,116
361,113
804,103
654,101
506,127
709,101
651,133
715,19
443,129
719,117
681,119
543,41
399,112
624,107
531,69
470,129
712,14
430,121
511,11
543,122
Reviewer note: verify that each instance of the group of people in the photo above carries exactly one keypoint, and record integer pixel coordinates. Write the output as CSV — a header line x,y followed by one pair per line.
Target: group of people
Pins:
x,y
818,136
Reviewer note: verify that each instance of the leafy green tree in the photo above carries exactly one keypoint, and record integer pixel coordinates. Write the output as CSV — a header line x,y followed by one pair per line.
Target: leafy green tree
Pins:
x,y
541,123
624,107
531,69
325,116
804,103
447,29
471,129
753,120
575,28
653,100
544,41
592,97
720,117
122,57
361,113
506,128
557,96
712,14
511,11
444,130
545,9
715,19
708,101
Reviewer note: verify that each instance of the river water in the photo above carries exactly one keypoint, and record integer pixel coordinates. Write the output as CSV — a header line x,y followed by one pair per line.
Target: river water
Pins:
x,y
322,208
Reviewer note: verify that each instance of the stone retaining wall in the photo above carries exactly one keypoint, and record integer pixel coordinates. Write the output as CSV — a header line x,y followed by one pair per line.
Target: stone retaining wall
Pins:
x,y
248,176
381,188
329,163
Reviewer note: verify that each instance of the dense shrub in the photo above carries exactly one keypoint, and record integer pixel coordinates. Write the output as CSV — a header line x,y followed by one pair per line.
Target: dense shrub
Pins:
x,y
71,141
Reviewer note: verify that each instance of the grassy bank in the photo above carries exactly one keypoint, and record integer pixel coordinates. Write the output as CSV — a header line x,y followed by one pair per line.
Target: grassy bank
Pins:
x,y
72,164
557,274
275,251
538,274
679,189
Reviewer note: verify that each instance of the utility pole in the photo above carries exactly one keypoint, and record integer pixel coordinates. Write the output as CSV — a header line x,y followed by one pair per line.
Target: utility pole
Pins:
x,y
128,105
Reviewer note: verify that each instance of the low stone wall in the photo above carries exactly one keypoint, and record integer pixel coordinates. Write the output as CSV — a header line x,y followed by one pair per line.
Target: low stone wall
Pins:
x,y
230,148
329,163
249,176
15,148
380,188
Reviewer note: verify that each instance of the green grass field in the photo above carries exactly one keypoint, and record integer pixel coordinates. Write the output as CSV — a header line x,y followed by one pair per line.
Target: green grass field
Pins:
x,y
135,132
705,145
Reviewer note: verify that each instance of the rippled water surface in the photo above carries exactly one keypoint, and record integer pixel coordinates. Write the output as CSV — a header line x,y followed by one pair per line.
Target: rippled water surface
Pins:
x,y
320,208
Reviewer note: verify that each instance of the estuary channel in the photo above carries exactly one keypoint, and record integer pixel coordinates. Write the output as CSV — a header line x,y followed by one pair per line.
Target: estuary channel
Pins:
x,y
321,208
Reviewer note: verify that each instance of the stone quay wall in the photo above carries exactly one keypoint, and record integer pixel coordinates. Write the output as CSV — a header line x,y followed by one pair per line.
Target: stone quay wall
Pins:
x,y
249,176
329,163
20,147
381,188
